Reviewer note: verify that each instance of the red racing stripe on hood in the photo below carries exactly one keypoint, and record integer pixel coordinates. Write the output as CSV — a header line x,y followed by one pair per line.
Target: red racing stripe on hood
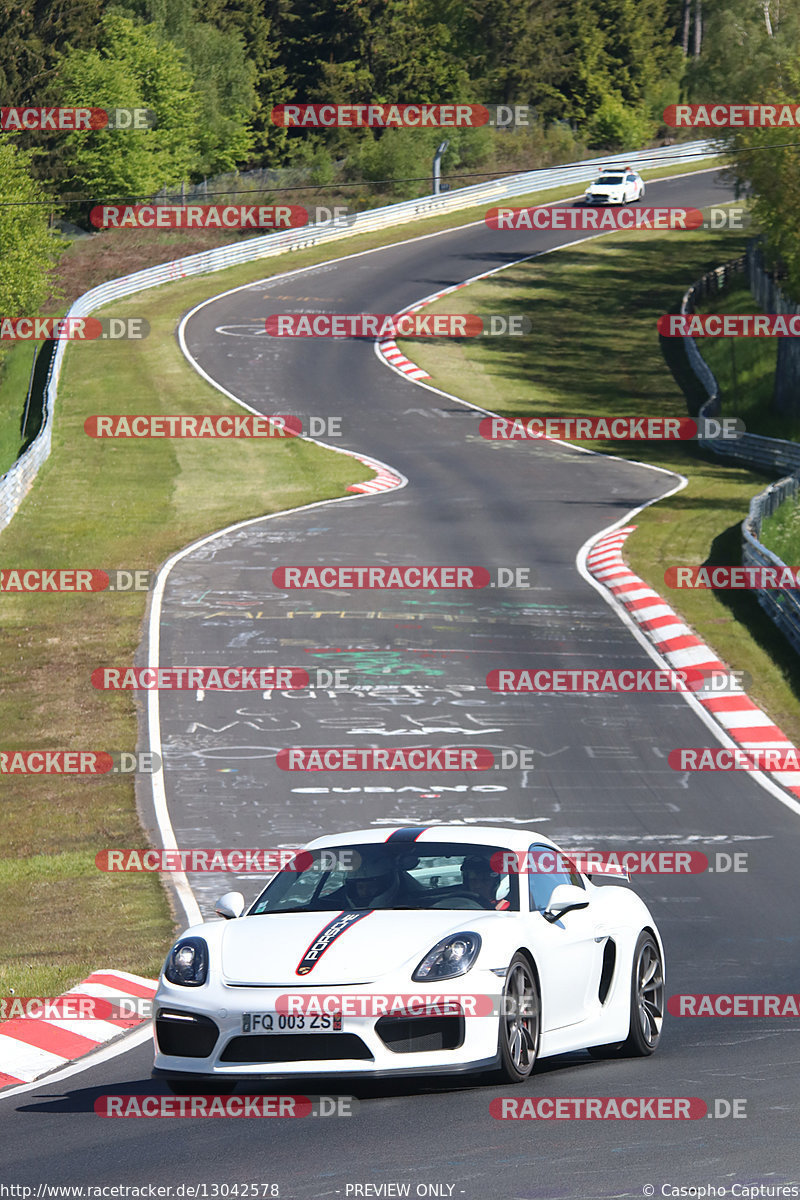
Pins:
x,y
326,937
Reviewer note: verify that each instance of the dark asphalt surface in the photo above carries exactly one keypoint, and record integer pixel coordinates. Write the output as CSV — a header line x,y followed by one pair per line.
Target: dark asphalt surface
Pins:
x,y
417,664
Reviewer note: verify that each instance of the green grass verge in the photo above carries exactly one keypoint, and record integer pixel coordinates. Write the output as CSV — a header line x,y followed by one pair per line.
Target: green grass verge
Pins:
x,y
745,371
745,367
594,351
111,504
781,532
13,387
15,370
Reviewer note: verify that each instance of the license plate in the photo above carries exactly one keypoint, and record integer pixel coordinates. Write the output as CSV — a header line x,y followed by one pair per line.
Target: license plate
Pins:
x,y
271,1022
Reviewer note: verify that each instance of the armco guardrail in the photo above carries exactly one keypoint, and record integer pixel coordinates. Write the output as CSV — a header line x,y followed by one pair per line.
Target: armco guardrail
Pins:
x,y
765,454
781,605
765,286
18,481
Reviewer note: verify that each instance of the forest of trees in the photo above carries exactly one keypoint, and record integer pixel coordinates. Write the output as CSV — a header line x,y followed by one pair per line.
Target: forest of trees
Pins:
x,y
597,74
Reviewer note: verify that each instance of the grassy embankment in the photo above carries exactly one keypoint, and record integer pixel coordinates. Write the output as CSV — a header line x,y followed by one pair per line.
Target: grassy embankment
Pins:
x,y
603,357
129,505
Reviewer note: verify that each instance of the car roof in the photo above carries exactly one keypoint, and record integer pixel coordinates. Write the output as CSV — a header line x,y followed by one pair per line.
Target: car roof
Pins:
x,y
418,835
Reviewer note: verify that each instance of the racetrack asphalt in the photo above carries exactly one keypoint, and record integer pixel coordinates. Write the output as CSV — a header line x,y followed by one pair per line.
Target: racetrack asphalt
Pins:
x,y
600,777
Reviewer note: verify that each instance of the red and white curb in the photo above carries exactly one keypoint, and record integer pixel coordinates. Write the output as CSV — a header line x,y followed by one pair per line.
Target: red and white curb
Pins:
x,y
743,721
384,480
398,360
393,356
30,1046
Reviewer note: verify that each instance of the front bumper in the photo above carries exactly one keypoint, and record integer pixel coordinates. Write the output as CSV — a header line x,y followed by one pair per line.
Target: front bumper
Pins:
x,y
206,1035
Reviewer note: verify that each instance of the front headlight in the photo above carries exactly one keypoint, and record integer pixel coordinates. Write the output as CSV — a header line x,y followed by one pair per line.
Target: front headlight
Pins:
x,y
187,962
452,956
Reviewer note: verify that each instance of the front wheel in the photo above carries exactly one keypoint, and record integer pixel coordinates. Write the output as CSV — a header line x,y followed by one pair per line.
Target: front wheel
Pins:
x,y
520,1022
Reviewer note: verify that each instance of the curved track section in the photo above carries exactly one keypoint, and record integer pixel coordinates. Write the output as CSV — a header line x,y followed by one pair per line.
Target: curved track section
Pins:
x,y
418,664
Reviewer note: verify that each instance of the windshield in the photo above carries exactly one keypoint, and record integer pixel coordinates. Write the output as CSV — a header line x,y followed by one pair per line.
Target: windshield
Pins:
x,y
393,876
613,180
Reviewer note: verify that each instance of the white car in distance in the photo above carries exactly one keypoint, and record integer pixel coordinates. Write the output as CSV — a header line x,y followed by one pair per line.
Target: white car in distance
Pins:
x,y
615,185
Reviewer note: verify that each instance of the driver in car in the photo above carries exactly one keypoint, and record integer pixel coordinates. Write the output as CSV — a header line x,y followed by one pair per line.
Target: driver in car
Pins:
x,y
374,883
478,877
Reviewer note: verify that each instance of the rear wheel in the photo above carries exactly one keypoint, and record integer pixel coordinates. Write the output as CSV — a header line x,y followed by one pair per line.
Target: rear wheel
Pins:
x,y
520,1022
646,1006
647,998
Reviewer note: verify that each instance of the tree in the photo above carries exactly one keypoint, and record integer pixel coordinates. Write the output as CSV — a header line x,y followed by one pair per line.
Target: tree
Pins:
x,y
515,52
34,37
212,43
130,69
742,54
257,24
637,37
586,79
355,51
27,249
762,63
224,79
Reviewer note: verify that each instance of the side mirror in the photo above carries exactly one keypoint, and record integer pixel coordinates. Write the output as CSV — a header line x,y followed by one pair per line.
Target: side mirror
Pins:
x,y
564,899
230,905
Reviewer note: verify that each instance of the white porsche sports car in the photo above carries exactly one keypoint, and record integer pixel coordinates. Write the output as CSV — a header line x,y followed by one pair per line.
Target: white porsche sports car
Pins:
x,y
446,948
616,185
